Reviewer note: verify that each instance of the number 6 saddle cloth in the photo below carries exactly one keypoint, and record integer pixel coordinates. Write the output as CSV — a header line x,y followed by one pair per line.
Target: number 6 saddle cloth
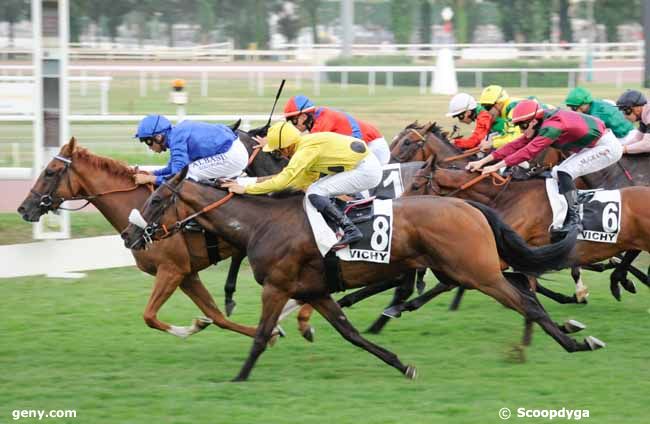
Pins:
x,y
600,211
375,220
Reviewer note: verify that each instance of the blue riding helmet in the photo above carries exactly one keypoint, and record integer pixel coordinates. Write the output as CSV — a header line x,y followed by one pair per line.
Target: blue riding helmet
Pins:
x,y
152,125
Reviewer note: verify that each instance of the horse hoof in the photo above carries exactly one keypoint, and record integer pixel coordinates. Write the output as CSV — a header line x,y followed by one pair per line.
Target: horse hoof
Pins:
x,y
308,334
594,343
238,379
281,331
573,326
202,322
615,290
230,307
517,354
392,312
629,286
411,372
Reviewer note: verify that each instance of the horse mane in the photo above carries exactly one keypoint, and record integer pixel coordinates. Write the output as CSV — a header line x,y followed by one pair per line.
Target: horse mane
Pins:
x,y
111,166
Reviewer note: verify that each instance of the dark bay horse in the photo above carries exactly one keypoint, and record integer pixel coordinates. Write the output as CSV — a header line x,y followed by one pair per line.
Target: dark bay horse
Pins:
x,y
175,262
286,262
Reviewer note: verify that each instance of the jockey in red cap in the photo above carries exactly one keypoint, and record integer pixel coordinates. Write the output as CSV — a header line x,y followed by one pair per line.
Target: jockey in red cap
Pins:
x,y
592,147
302,113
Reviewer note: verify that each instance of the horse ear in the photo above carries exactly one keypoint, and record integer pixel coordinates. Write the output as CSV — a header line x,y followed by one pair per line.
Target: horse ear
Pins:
x,y
67,149
183,172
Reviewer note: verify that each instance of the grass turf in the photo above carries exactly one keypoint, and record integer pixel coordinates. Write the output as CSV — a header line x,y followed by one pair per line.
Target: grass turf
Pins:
x,y
83,345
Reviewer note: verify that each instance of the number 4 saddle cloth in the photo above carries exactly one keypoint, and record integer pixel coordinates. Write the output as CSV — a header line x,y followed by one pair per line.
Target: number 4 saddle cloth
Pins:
x,y
375,220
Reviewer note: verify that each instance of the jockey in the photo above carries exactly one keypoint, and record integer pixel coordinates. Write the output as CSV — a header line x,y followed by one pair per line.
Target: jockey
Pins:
x,y
464,107
211,150
496,101
302,113
345,161
579,100
635,108
594,147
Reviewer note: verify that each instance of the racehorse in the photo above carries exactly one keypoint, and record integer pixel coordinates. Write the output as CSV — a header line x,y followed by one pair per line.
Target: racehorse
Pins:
x,y
532,215
422,142
286,262
75,173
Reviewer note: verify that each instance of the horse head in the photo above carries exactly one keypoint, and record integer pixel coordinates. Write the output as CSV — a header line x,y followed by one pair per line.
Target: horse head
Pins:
x,y
55,184
420,142
157,219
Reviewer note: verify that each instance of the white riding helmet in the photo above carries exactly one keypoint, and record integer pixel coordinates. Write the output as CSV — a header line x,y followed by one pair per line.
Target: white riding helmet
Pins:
x,y
461,102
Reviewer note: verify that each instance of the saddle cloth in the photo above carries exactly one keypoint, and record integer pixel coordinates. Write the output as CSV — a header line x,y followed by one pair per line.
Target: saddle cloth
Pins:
x,y
377,234
600,212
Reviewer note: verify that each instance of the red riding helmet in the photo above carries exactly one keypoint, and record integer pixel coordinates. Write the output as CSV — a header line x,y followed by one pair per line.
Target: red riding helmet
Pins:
x,y
527,110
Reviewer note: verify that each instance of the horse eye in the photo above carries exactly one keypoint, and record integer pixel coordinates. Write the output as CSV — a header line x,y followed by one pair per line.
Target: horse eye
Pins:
x,y
407,142
155,200
49,173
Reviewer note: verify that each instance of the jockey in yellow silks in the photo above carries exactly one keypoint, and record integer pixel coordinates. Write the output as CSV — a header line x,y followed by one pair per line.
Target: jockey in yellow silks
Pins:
x,y
499,104
328,164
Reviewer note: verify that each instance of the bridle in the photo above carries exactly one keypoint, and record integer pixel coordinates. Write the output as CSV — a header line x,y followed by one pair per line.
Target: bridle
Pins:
x,y
51,202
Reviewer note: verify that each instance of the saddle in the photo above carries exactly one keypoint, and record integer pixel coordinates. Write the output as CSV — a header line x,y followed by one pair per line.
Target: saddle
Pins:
x,y
521,174
358,210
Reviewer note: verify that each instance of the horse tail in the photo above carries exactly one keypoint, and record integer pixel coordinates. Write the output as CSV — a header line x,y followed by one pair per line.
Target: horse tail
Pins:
x,y
519,255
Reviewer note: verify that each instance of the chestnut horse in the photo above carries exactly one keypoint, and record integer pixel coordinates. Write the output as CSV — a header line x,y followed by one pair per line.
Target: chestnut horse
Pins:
x,y
286,262
108,185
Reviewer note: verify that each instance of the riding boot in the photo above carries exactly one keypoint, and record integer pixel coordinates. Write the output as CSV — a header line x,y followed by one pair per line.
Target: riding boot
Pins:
x,y
332,214
572,220
351,233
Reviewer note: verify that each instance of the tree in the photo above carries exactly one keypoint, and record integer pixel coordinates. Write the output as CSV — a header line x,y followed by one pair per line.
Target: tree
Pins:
x,y
566,32
402,20
612,14
461,27
425,21
12,11
205,16
113,11
506,8
310,9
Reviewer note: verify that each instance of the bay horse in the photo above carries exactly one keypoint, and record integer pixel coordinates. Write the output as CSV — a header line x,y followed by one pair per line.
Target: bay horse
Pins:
x,y
286,262
531,215
76,173
422,142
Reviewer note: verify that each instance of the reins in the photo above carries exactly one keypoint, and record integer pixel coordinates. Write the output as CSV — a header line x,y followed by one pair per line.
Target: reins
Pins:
x,y
497,180
463,155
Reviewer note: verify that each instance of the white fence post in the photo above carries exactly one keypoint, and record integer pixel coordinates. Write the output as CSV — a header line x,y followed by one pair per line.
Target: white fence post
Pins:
x,y
371,82
156,81
103,86
143,84
344,80
524,79
260,83
317,83
83,87
479,79
389,80
423,82
204,84
298,79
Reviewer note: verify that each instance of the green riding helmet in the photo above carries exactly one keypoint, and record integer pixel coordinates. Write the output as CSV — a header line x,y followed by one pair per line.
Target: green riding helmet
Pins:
x,y
578,97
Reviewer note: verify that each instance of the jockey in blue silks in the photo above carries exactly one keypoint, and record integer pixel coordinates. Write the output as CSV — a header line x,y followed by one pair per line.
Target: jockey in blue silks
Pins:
x,y
210,150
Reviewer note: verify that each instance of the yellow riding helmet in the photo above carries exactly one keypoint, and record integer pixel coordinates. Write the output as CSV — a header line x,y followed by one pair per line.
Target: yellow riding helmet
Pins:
x,y
281,135
493,94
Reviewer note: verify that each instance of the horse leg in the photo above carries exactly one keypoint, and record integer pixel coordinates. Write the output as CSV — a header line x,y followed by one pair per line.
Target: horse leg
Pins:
x,y
332,312
420,285
582,292
195,290
231,282
459,296
418,302
364,293
273,300
304,315
403,291
619,276
167,280
558,297
518,296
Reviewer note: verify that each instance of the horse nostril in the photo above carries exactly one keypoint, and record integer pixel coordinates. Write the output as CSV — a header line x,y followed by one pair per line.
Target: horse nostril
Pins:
x,y
21,210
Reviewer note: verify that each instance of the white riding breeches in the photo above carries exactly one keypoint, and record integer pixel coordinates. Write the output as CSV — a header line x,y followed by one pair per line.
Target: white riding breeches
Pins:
x,y
606,152
229,164
379,147
365,176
